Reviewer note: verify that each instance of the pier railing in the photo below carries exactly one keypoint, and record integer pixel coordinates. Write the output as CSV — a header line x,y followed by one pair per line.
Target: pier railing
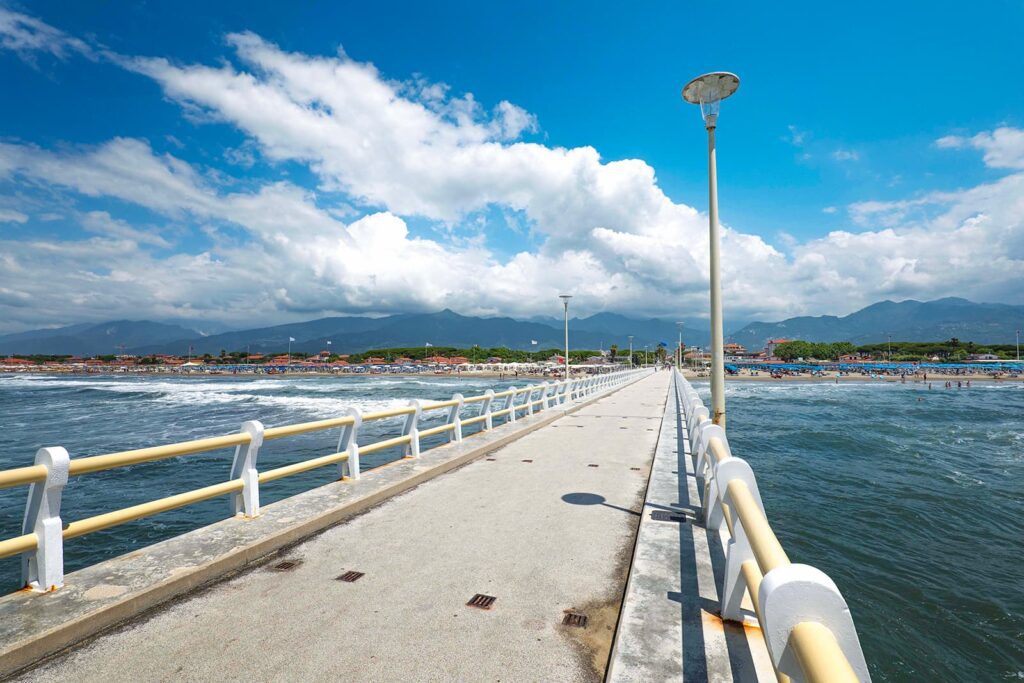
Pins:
x,y
41,543
804,619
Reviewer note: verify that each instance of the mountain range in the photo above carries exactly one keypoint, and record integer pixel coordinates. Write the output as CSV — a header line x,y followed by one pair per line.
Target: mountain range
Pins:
x,y
349,335
905,321
902,321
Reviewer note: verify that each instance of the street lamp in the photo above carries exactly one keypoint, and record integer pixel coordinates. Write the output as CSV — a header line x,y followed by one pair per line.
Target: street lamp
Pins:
x,y
565,301
679,347
646,360
630,352
708,91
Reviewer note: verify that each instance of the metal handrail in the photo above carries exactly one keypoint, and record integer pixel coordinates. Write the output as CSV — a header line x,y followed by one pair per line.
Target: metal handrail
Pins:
x,y
53,465
816,647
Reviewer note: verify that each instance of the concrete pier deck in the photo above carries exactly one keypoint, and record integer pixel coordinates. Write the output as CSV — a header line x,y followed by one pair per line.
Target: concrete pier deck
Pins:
x,y
669,629
544,524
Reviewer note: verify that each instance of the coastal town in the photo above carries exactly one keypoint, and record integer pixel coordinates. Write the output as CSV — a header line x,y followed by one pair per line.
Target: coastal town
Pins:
x,y
778,359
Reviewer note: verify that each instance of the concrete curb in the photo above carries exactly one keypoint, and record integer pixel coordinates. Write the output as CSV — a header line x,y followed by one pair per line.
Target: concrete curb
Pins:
x,y
105,595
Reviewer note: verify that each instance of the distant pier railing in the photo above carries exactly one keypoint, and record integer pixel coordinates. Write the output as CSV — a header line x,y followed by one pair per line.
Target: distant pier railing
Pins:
x,y
41,543
804,619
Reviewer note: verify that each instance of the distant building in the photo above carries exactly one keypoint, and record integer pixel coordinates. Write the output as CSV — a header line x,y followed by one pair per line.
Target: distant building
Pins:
x,y
15,361
771,344
733,349
982,356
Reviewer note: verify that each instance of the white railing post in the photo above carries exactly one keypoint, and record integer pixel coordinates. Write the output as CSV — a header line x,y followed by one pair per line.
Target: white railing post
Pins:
x,y
349,442
546,395
798,593
247,501
411,428
455,418
485,409
511,404
705,431
738,550
529,398
43,570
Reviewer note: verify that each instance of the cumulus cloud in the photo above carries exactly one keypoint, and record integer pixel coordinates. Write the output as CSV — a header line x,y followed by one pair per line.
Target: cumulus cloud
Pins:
x,y
403,149
1002,147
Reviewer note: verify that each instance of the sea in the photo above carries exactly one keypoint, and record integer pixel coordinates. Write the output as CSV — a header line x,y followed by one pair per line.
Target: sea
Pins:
x,y
910,498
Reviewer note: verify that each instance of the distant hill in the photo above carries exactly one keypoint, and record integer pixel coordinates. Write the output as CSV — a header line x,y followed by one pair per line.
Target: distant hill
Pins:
x,y
346,334
905,320
92,339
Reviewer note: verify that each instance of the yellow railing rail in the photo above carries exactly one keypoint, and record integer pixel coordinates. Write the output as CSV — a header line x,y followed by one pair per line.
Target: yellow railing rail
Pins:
x,y
53,465
816,647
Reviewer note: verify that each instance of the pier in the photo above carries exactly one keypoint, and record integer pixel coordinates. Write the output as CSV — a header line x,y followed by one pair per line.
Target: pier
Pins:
x,y
595,528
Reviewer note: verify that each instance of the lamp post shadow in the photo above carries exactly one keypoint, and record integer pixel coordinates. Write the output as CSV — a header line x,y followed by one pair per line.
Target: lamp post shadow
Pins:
x,y
594,499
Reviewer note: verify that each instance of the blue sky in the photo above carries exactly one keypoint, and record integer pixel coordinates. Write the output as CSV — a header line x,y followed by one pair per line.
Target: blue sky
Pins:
x,y
871,152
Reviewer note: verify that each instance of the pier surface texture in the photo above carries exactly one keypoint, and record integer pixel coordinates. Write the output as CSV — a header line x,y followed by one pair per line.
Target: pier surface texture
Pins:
x,y
552,522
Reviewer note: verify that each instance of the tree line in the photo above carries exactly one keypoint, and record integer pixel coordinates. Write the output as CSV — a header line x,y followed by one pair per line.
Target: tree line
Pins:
x,y
949,350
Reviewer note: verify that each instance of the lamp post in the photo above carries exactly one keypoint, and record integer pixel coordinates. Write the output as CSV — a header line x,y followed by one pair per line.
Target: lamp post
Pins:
x,y
565,302
646,360
888,346
630,352
708,91
679,347
1018,345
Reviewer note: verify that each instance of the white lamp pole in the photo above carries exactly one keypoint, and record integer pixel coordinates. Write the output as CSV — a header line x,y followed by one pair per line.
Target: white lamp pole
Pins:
x,y
630,352
708,91
565,301
679,347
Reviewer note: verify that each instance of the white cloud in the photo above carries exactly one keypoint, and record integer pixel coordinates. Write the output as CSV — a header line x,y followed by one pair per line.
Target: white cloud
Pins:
x,y
829,209
1002,147
796,136
102,223
400,149
27,36
12,216
846,155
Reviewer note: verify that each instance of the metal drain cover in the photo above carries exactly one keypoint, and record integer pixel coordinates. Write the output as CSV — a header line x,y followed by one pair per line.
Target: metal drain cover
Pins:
x,y
481,601
286,565
574,619
350,576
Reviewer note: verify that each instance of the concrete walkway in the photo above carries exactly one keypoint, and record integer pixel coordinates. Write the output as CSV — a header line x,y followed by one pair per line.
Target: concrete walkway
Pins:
x,y
542,537
670,629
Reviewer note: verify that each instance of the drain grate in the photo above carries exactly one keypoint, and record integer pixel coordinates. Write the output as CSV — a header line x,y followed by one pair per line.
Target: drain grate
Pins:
x,y
286,565
491,459
527,461
635,469
350,576
574,619
592,465
665,516
481,601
